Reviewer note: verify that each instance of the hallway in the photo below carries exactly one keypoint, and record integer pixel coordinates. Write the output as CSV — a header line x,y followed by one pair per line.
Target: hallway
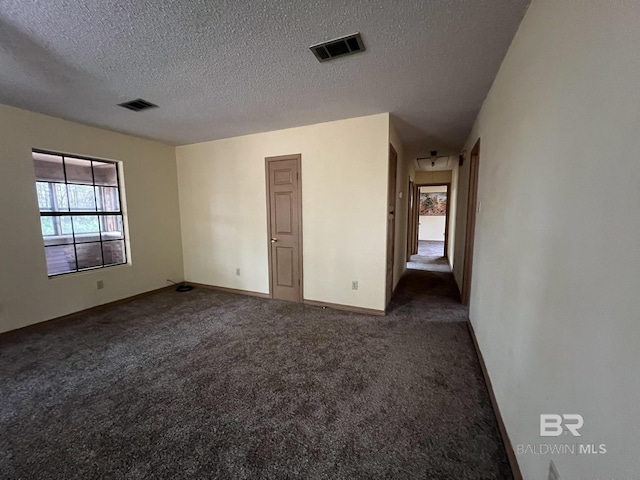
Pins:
x,y
430,257
428,296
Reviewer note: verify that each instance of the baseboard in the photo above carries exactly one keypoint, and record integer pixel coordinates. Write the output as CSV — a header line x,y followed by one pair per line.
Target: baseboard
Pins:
x,y
230,290
511,455
336,306
89,310
346,308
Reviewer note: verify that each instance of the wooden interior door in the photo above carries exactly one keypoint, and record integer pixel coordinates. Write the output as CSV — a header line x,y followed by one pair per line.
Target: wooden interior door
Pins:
x,y
391,219
472,209
285,227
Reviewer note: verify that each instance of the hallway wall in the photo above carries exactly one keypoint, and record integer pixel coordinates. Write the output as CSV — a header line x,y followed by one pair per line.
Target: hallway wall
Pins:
x,y
555,285
402,205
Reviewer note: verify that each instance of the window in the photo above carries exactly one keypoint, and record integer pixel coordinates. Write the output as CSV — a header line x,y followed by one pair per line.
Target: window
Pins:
x,y
80,212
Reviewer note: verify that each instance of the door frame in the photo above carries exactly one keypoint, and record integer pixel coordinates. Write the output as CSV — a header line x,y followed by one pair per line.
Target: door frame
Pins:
x,y
447,213
298,158
392,203
411,201
470,231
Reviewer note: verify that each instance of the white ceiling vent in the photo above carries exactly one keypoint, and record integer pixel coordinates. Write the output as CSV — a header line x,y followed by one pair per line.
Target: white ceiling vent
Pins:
x,y
137,105
338,47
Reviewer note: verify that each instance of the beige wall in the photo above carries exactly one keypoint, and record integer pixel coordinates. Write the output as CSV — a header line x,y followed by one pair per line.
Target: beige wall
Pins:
x,y
439,176
344,185
555,287
402,205
27,295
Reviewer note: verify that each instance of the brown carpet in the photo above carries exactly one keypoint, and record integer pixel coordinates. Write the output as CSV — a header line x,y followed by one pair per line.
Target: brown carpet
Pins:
x,y
215,385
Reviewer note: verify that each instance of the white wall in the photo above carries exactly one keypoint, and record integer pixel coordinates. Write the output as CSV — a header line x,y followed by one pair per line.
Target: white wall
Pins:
x,y
27,295
344,185
432,228
555,287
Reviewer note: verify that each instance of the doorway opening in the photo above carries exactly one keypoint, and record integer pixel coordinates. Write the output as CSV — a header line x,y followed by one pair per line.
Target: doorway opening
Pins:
x,y
431,231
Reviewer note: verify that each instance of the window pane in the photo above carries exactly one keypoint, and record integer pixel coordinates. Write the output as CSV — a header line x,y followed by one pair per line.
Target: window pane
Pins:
x,y
44,196
105,174
111,227
60,259
60,200
89,255
47,225
82,198
108,199
66,226
86,228
48,168
52,197
78,170
114,252
56,230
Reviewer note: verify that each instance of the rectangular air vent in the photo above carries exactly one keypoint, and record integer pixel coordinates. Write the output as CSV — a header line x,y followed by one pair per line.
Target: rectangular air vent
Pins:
x,y
138,105
338,48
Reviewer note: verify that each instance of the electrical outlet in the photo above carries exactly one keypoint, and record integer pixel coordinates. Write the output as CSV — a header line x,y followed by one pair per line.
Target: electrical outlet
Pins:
x,y
100,284
354,285
238,271
553,472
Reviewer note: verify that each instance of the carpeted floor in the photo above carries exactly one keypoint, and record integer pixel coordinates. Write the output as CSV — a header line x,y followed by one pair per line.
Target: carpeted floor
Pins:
x,y
209,384
430,257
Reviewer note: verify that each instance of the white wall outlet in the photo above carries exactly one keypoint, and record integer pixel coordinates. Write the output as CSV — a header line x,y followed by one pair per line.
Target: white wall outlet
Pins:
x,y
238,271
553,472
354,285
100,284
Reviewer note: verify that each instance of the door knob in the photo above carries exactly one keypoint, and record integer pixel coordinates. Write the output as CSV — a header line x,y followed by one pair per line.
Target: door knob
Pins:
x,y
274,240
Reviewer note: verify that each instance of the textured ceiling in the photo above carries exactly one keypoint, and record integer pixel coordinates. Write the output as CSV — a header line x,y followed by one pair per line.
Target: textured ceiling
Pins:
x,y
224,68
